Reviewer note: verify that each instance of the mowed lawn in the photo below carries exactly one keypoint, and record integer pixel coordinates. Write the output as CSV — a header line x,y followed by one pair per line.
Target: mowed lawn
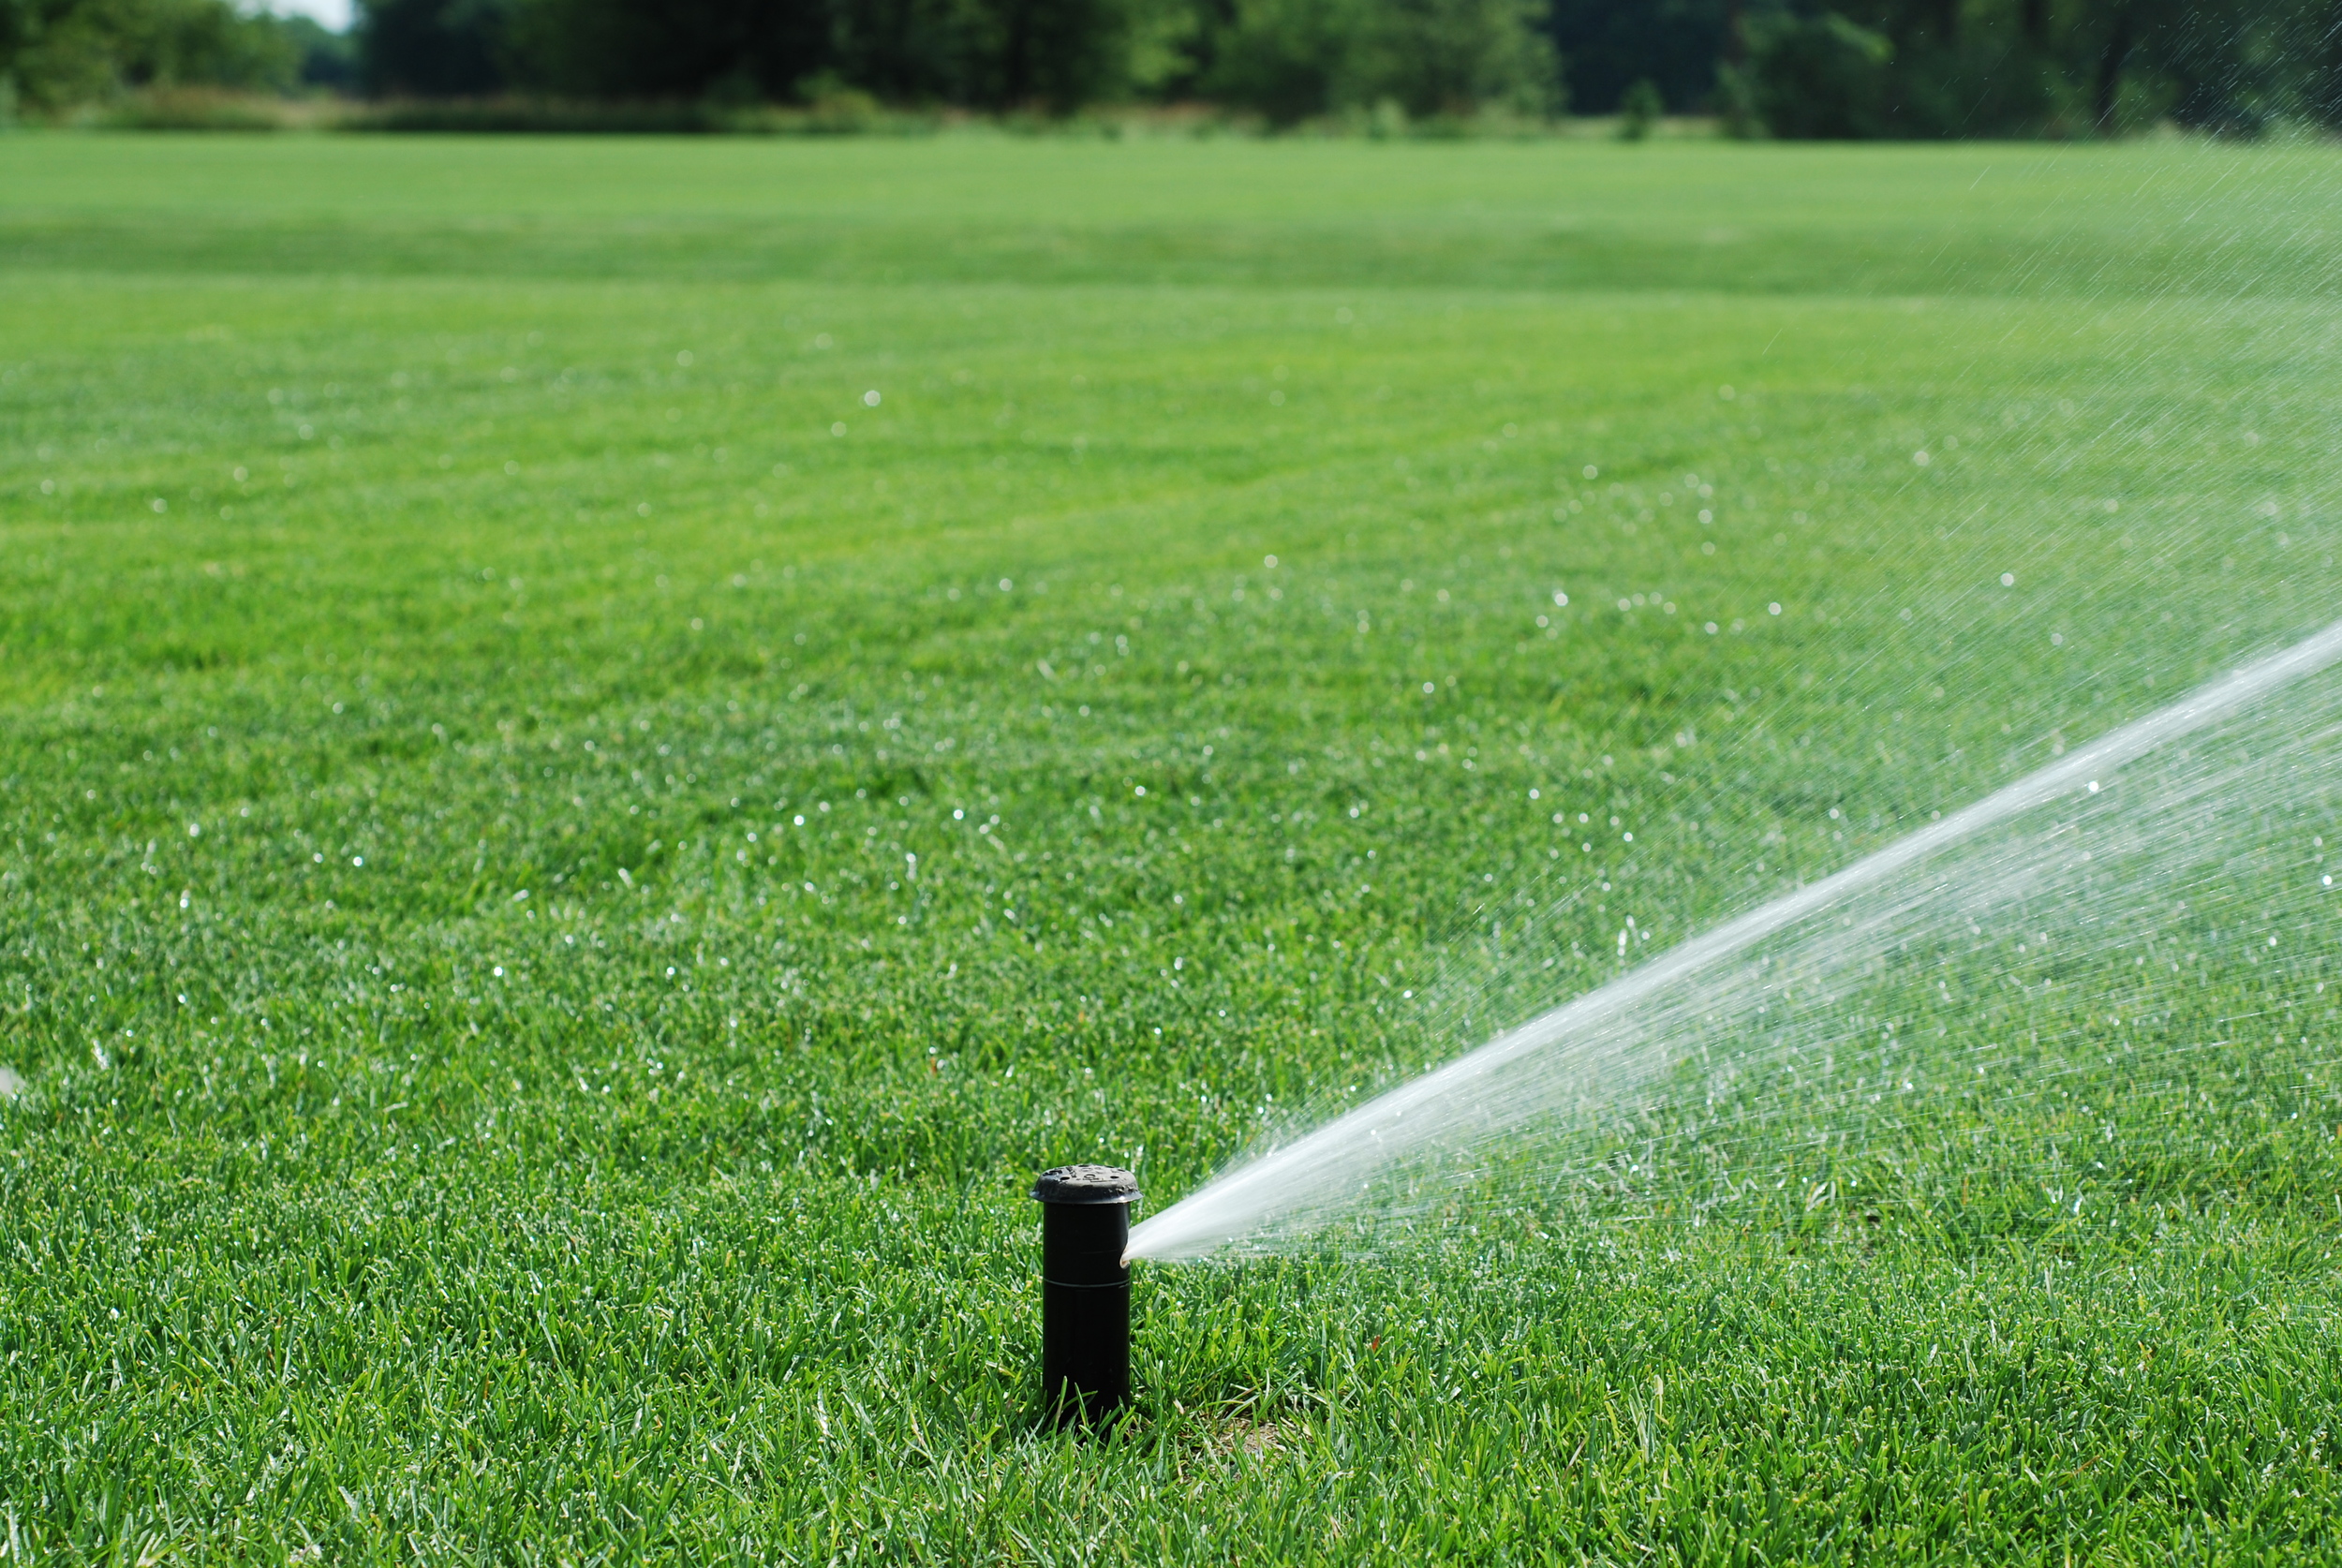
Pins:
x,y
605,744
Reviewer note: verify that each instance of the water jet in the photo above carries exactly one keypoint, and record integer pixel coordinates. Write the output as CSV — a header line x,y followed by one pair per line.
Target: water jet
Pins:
x,y
1084,1289
1619,1035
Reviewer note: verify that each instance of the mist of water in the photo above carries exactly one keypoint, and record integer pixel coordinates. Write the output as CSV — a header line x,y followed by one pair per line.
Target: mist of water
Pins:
x,y
2105,843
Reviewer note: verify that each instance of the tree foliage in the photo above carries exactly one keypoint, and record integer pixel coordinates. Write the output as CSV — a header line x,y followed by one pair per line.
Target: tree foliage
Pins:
x,y
1287,60
1799,68
1930,68
438,48
1292,60
1838,68
991,53
1609,46
55,54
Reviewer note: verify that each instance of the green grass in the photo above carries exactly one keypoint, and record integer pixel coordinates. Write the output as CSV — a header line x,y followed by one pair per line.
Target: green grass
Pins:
x,y
471,1117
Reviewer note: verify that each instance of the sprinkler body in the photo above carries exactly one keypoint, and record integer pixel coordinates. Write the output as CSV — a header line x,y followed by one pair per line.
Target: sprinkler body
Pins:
x,y
1085,1290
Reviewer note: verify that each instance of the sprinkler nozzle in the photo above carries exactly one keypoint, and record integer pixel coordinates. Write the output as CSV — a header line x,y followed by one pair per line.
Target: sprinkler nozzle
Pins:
x,y
1084,1289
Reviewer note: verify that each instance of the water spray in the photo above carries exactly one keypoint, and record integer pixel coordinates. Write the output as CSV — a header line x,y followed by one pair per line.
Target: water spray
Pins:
x,y
1591,1038
1084,1289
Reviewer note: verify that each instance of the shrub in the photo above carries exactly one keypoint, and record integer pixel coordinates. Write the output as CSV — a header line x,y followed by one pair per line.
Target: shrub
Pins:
x,y
1639,109
193,109
1735,104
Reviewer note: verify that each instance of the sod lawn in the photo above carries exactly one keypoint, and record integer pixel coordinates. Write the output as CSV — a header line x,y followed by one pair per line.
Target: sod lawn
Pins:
x,y
606,745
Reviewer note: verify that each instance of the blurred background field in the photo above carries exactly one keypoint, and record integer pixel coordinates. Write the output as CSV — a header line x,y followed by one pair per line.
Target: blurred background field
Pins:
x,y
606,744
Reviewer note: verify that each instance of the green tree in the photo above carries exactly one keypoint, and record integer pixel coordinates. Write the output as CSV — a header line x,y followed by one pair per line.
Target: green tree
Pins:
x,y
1056,55
437,48
1999,67
1820,77
2318,33
55,54
1609,45
1453,58
1290,60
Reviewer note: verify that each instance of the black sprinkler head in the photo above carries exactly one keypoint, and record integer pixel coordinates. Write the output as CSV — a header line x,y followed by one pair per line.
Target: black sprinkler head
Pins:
x,y
1084,1289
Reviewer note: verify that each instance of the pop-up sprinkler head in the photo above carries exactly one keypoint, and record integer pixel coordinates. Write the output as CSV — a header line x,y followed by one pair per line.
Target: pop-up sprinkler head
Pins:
x,y
1084,1289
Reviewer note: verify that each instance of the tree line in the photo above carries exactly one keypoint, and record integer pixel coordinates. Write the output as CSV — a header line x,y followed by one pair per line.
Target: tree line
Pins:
x,y
57,55
1798,68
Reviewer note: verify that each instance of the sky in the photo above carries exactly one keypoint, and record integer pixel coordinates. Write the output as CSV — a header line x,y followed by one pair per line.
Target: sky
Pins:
x,y
335,14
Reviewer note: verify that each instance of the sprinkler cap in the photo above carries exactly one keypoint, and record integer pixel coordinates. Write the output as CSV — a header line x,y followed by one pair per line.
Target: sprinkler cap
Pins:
x,y
1086,1184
